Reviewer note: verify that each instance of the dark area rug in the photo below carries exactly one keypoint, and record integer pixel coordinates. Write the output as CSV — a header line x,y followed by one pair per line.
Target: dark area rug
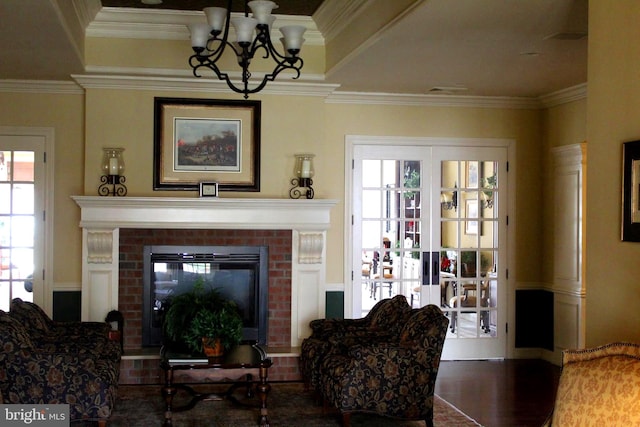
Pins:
x,y
288,404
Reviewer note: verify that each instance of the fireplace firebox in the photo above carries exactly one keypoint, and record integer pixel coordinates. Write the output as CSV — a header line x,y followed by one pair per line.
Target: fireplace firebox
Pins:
x,y
239,273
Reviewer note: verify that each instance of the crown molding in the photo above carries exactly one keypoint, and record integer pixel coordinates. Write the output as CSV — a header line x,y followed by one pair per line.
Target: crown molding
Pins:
x,y
182,72
312,86
564,96
432,100
114,22
193,84
333,16
86,11
41,86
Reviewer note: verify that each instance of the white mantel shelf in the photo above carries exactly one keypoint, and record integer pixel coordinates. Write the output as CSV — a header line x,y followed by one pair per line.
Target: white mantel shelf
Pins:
x,y
181,212
101,219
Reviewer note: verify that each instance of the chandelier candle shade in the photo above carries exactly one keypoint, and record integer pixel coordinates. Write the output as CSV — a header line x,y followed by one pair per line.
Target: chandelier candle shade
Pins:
x,y
209,41
303,172
112,180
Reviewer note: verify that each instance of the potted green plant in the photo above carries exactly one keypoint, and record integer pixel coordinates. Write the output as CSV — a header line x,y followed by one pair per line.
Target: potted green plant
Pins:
x,y
468,263
200,317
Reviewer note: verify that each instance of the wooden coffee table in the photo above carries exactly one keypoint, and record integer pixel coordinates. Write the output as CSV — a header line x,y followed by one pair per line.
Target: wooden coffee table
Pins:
x,y
240,365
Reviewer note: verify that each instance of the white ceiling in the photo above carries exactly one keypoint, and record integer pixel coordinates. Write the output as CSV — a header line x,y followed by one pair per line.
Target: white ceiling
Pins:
x,y
461,47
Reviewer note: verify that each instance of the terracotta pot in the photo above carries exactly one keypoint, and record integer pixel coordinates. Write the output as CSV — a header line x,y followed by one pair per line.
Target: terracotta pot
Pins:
x,y
212,347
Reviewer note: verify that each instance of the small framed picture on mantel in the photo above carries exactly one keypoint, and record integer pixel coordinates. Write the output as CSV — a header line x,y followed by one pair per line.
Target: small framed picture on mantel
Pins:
x,y
208,189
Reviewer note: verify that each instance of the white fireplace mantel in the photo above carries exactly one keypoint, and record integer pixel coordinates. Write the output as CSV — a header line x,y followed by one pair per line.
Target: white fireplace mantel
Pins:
x,y
102,217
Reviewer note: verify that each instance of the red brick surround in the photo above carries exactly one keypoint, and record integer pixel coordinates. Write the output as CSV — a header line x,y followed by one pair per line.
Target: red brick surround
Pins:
x,y
130,292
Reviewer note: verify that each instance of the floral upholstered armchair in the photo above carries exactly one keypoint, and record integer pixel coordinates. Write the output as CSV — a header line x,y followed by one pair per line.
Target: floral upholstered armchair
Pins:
x,y
383,322
91,338
80,369
598,387
391,379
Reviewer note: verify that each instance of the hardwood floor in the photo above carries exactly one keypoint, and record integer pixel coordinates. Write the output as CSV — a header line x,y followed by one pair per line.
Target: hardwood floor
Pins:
x,y
509,393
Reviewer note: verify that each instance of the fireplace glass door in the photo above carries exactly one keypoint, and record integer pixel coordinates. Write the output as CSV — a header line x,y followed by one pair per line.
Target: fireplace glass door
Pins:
x,y
237,273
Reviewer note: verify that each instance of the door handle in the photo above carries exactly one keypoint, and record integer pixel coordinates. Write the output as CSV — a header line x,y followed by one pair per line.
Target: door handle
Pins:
x,y
426,273
430,270
435,271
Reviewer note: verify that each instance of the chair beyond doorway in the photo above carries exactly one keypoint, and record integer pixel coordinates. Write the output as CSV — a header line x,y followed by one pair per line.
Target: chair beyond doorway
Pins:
x,y
383,271
469,299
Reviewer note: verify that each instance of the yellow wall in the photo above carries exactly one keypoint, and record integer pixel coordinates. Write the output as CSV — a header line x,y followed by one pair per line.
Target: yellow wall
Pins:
x,y
565,124
124,118
613,271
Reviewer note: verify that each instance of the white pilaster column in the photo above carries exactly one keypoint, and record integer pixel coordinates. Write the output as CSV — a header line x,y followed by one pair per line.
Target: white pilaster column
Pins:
x,y
308,271
100,252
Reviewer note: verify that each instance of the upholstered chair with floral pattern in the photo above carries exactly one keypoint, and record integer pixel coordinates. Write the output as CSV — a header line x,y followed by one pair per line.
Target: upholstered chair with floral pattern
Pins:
x,y
598,387
383,322
67,337
391,379
37,320
31,375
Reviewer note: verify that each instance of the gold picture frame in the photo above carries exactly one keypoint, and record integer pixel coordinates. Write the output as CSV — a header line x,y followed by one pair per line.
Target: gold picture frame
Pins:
x,y
198,140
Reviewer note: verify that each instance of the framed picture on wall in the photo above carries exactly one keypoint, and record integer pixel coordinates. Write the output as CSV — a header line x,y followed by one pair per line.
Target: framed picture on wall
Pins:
x,y
471,227
472,174
631,191
198,140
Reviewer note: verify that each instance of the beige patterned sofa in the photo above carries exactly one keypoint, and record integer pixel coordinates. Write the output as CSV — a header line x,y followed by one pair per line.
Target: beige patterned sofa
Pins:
x,y
598,387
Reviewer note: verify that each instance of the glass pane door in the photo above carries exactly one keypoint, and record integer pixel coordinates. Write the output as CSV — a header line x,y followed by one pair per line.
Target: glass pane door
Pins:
x,y
429,224
468,259
16,226
390,226
471,233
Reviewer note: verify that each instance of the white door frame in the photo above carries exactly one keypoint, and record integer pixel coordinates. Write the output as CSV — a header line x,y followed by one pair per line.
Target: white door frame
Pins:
x,y
42,283
352,140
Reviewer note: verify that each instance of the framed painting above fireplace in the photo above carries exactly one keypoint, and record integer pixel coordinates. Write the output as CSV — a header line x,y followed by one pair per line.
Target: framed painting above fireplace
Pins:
x,y
206,140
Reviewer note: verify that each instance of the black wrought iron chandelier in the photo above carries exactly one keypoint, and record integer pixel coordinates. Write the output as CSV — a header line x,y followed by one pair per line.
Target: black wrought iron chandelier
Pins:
x,y
209,41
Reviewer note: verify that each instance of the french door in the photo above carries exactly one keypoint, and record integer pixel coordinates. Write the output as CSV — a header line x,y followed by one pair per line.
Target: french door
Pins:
x,y
23,179
428,223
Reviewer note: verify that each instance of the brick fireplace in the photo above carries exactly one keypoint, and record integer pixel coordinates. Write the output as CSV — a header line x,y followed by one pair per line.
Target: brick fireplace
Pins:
x,y
116,229
130,292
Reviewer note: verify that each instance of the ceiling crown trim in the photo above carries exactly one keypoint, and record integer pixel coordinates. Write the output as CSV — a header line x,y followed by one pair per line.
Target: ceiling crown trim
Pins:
x,y
202,86
564,96
333,16
433,100
115,22
40,86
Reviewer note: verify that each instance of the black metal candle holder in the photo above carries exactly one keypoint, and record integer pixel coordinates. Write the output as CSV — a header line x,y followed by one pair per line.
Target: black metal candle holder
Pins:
x,y
298,185
112,185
